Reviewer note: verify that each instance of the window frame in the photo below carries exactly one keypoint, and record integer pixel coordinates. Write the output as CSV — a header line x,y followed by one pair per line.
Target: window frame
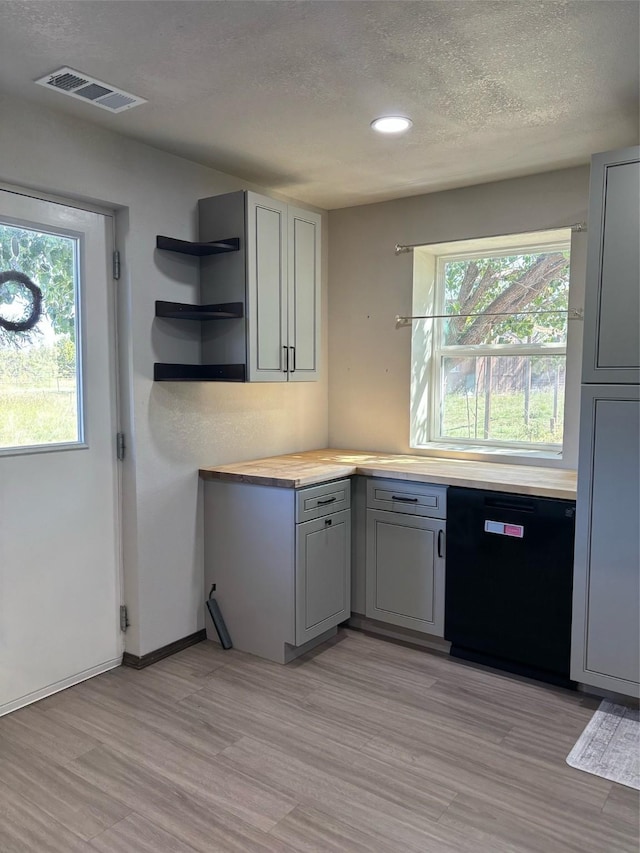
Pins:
x,y
438,351
78,240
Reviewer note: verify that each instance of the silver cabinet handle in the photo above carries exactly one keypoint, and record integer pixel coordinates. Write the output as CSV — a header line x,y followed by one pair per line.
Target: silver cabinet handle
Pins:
x,y
404,500
440,535
328,501
285,369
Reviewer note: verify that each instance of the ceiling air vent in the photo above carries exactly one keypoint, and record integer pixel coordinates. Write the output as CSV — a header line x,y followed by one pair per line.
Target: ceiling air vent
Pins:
x,y
85,88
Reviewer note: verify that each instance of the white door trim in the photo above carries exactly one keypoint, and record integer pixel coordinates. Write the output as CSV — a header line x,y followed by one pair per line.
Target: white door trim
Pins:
x,y
41,195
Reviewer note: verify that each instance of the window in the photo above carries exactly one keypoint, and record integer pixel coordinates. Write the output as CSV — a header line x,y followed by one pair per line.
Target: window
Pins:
x,y
493,375
39,366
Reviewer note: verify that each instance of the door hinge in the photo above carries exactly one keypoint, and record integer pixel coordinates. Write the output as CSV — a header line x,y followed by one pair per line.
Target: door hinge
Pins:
x,y
124,618
116,265
120,446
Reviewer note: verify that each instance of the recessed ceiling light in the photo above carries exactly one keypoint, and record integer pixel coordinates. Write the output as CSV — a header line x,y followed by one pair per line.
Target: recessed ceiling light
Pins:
x,y
391,124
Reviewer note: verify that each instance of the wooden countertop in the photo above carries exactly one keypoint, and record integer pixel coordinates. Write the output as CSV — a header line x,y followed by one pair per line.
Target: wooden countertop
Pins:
x,y
295,470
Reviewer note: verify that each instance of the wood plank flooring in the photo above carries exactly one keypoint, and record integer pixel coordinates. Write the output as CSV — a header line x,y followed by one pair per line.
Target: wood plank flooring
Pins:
x,y
362,746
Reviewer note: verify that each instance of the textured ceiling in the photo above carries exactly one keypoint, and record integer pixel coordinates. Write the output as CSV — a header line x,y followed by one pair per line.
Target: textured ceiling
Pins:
x,y
282,93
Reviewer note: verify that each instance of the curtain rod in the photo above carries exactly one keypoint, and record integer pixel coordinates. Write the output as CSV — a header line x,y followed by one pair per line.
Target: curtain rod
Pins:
x,y
401,248
572,314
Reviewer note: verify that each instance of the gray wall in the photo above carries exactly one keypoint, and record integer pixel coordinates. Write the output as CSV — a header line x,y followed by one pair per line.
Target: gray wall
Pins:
x,y
369,360
172,428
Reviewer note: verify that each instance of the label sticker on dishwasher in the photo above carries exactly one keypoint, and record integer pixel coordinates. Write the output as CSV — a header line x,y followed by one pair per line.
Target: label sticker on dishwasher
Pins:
x,y
503,529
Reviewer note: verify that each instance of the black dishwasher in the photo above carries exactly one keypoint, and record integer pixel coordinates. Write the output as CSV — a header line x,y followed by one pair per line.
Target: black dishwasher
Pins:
x,y
509,577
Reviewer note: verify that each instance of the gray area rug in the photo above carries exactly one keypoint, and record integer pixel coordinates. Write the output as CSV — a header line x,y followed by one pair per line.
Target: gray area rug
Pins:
x,y
610,745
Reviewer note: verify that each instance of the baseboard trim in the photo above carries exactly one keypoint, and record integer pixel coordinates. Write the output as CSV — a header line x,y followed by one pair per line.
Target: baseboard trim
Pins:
x,y
16,704
397,634
141,661
293,652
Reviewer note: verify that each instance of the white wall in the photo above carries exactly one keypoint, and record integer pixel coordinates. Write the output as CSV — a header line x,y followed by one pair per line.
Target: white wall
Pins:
x,y
173,429
369,359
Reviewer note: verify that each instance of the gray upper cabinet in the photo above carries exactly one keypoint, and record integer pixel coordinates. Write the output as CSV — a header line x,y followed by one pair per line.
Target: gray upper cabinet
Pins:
x,y
267,289
612,307
277,277
606,623
303,294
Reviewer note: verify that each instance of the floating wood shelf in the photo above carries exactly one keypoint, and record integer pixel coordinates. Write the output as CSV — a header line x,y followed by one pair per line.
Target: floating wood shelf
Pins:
x,y
199,372
200,250
182,311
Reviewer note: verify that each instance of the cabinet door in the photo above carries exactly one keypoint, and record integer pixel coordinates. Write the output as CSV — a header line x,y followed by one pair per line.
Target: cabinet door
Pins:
x,y
266,289
612,304
304,294
606,622
405,570
323,574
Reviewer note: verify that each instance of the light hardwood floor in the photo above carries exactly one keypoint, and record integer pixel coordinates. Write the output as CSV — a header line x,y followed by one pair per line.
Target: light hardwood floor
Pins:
x,y
361,746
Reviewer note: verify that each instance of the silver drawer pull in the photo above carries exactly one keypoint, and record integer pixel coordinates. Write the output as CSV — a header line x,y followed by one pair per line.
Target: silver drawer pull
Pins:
x,y
328,501
404,500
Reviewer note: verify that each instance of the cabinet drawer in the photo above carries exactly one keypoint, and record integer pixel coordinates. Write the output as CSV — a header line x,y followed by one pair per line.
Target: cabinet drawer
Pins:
x,y
316,501
411,498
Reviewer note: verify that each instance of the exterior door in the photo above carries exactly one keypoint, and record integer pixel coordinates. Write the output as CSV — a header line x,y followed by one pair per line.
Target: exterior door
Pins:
x,y
59,495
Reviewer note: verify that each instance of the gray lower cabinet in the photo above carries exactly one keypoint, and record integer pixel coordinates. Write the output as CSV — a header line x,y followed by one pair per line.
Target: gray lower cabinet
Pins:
x,y
606,621
280,560
323,578
405,572
405,561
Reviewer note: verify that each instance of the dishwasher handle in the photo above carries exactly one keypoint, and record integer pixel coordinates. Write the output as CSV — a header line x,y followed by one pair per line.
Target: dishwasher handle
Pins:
x,y
512,502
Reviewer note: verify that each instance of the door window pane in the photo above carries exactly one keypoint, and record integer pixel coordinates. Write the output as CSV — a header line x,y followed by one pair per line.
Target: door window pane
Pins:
x,y
39,367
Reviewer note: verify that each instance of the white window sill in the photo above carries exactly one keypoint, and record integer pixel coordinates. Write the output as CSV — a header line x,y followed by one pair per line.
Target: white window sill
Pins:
x,y
483,453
